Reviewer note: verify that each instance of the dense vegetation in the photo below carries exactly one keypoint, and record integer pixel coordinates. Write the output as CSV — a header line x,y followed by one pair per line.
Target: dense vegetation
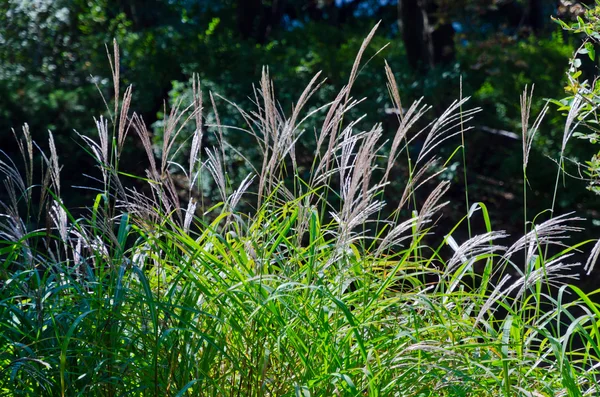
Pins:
x,y
298,241
53,61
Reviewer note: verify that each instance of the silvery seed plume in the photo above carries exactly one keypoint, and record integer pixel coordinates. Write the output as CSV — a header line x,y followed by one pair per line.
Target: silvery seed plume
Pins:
x,y
76,252
304,214
46,181
170,191
124,122
215,167
279,134
189,215
446,127
593,258
570,125
286,143
285,193
139,205
115,63
332,120
169,125
26,150
268,119
552,231
345,235
282,144
478,245
529,133
257,119
357,217
268,114
362,166
52,163
497,294
356,193
100,149
119,188
95,147
250,120
164,196
418,179
335,140
346,151
159,196
60,220
144,135
140,255
81,235
10,209
393,90
290,126
220,136
396,235
414,114
190,114
102,126
13,207
334,117
236,196
174,124
432,204
100,153
98,248
525,101
554,272
13,228
104,226
198,133
13,176
354,71
357,211
51,174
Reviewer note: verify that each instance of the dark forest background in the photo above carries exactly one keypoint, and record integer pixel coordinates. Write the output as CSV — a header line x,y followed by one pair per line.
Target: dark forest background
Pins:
x,y
53,63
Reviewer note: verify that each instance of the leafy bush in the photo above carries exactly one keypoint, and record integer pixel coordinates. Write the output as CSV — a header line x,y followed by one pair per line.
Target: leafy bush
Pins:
x,y
582,102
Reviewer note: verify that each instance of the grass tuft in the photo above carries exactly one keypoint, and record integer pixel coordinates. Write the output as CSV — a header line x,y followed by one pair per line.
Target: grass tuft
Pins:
x,y
288,285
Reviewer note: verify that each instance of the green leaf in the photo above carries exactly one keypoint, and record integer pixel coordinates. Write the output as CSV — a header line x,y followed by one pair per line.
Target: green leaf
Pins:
x,y
589,47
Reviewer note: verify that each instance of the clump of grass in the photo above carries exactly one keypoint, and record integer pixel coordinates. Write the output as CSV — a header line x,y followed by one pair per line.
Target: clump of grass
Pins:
x,y
312,293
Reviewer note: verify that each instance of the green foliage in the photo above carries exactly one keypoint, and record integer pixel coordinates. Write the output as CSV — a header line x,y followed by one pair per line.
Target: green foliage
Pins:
x,y
170,281
582,102
497,69
163,292
54,57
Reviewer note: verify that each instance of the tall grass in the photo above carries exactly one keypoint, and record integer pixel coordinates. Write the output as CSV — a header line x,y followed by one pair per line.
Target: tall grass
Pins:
x,y
311,293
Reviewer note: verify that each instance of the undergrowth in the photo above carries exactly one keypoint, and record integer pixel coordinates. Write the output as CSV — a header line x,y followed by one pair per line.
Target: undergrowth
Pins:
x,y
156,291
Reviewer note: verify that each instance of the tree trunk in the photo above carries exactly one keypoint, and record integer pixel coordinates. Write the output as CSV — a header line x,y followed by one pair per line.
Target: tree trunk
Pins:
x,y
427,42
411,23
144,14
535,15
257,20
248,17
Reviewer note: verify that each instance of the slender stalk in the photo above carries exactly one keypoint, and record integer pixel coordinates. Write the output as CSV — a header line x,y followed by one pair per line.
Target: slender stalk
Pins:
x,y
464,158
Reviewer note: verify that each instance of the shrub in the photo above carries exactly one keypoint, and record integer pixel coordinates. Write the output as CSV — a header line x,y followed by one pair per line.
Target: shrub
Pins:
x,y
582,90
